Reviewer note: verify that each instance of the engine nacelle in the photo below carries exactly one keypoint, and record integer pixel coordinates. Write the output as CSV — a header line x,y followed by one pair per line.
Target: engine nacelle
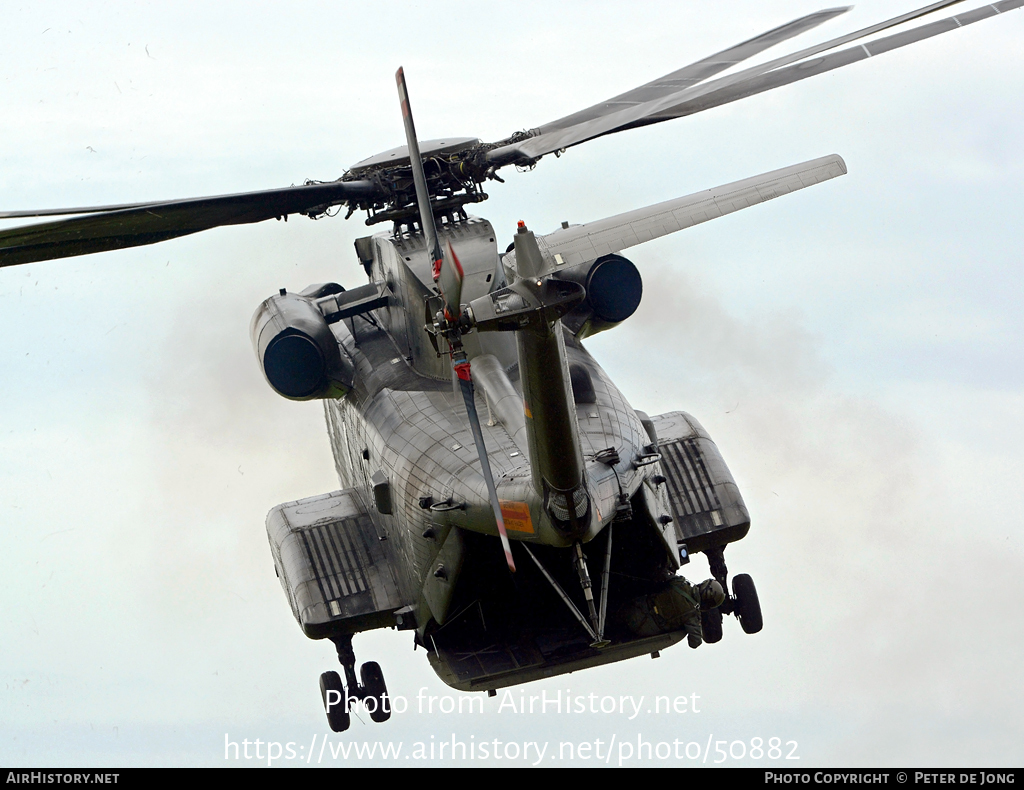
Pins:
x,y
614,289
297,350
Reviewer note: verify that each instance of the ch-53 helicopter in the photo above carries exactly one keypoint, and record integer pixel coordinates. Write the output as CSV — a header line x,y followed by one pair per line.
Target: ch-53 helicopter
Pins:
x,y
544,539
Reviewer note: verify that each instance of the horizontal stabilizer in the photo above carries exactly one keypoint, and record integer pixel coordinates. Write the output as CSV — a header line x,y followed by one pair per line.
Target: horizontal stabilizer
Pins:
x,y
588,242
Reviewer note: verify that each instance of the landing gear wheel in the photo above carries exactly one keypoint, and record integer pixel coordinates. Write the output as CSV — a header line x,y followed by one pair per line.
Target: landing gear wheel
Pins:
x,y
373,686
337,711
748,609
711,625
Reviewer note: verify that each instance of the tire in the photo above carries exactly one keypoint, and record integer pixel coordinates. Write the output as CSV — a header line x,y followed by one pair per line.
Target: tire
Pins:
x,y
748,608
337,714
711,625
372,678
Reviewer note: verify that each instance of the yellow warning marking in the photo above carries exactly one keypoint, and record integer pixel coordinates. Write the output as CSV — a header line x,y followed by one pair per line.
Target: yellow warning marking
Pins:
x,y
527,412
516,515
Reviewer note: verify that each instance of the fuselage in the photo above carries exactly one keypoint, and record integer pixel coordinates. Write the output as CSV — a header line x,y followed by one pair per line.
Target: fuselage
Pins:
x,y
404,429
601,502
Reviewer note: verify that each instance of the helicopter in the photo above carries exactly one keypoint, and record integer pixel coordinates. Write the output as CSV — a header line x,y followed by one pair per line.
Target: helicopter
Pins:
x,y
434,330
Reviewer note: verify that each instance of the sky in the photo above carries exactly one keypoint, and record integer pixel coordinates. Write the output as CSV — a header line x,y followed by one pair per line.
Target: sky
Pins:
x,y
854,350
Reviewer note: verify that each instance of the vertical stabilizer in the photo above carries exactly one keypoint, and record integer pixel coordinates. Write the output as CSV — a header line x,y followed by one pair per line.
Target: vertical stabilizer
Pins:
x,y
552,431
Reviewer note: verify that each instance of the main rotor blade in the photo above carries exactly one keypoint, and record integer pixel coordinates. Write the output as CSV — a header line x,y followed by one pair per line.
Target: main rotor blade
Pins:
x,y
462,371
744,83
729,91
132,225
689,76
446,273
66,212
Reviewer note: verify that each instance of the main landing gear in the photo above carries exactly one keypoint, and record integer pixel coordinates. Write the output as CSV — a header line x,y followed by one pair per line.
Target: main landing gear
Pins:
x,y
743,602
371,691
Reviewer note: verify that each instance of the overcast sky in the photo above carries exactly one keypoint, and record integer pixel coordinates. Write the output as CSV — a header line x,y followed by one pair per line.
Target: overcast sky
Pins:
x,y
855,351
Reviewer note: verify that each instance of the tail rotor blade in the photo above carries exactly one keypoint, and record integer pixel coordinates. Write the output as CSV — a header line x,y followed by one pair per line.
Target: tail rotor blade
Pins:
x,y
448,275
466,384
449,280
446,271
418,176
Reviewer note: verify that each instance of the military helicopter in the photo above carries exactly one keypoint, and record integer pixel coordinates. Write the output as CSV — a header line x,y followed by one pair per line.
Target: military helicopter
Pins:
x,y
578,486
